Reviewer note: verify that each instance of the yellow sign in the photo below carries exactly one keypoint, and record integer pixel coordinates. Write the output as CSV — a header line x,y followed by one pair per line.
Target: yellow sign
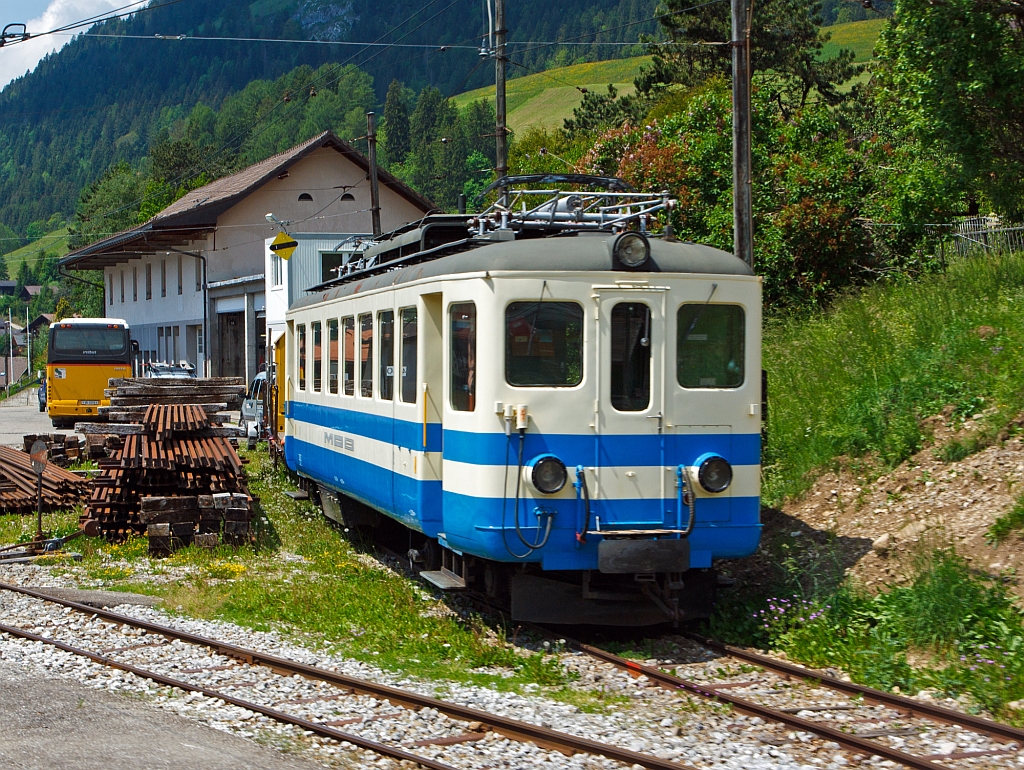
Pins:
x,y
284,245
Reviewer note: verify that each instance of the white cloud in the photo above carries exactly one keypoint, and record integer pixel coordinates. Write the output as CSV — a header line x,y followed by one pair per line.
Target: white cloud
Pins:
x,y
16,60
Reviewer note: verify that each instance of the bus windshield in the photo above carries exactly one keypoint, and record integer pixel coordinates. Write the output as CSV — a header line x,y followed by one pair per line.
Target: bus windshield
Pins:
x,y
88,343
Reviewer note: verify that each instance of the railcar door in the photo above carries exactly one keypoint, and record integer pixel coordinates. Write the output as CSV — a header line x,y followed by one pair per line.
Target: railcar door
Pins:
x,y
631,481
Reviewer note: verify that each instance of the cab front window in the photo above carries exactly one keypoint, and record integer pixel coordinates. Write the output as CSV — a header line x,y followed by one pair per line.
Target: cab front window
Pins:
x,y
710,346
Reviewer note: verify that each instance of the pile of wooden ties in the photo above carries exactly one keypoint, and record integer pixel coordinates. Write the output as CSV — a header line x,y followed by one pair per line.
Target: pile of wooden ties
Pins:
x,y
177,478
61,488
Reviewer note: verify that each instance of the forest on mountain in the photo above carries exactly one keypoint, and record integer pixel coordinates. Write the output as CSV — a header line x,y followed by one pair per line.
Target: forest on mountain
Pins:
x,y
102,101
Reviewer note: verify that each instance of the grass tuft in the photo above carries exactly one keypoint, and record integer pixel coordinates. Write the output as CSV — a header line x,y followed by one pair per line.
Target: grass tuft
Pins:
x,y
1007,524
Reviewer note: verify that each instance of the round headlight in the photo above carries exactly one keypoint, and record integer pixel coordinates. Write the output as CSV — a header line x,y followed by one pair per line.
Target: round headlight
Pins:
x,y
631,249
714,474
548,474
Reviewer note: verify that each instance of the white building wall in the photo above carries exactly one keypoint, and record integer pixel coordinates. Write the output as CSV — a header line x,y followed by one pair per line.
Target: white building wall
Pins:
x,y
154,306
238,263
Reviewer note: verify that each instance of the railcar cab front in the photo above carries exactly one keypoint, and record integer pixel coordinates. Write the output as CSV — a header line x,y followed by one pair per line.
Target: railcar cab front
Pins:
x,y
572,423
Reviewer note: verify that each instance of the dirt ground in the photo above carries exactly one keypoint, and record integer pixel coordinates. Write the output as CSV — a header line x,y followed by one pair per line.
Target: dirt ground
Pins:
x,y
874,527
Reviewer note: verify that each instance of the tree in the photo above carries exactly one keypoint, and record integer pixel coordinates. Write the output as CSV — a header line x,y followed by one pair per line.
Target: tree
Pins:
x,y
397,141
957,68
786,44
107,206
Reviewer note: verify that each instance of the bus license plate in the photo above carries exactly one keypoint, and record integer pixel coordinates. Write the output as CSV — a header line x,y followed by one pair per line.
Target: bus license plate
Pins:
x,y
89,403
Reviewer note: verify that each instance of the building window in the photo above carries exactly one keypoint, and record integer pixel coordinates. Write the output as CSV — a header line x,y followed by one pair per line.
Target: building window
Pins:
x,y
174,336
366,355
318,350
349,331
149,280
163,277
301,331
110,288
409,355
305,197
199,341
161,348
332,352
135,283
180,283
122,287
199,274
386,323
276,270
463,357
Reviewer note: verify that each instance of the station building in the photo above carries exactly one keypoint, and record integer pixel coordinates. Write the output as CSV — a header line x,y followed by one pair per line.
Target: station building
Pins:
x,y
193,281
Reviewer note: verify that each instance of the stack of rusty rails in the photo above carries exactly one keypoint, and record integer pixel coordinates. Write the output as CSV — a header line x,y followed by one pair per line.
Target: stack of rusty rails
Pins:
x,y
177,479
61,488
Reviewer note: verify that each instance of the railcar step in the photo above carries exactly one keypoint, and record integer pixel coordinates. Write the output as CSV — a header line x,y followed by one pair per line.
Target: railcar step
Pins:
x,y
635,532
444,580
299,495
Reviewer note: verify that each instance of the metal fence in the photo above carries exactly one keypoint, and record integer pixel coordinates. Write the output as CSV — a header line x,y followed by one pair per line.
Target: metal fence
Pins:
x,y
986,235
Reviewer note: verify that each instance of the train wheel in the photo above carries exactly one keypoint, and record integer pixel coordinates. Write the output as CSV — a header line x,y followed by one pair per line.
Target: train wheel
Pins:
x,y
431,556
496,581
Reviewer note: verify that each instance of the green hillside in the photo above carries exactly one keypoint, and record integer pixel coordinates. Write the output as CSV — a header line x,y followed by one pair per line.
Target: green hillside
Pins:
x,y
51,244
858,36
547,98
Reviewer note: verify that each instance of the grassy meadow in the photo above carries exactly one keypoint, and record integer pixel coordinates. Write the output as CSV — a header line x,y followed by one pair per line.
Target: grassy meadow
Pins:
x,y
858,379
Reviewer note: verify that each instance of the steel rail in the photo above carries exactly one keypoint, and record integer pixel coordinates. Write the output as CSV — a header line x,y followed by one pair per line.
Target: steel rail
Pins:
x,y
280,716
510,728
848,740
912,707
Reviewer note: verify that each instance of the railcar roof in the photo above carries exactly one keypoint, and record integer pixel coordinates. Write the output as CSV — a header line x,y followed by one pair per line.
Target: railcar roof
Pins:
x,y
585,252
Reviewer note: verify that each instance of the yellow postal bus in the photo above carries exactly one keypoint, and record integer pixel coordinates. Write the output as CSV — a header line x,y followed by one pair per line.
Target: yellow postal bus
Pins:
x,y
83,354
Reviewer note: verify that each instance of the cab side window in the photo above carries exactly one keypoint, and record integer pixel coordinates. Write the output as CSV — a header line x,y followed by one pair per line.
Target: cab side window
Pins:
x,y
463,357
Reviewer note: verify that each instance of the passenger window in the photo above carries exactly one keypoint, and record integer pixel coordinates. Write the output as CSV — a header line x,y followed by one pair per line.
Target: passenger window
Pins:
x,y
386,323
710,346
409,355
316,329
544,344
332,353
349,330
302,356
463,357
366,355
631,357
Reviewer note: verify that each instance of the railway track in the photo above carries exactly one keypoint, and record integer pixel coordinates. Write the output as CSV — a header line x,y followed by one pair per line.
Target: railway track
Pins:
x,y
216,669
885,715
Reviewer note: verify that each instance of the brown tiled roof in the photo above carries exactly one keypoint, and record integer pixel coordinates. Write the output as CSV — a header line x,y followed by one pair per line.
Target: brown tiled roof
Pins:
x,y
196,212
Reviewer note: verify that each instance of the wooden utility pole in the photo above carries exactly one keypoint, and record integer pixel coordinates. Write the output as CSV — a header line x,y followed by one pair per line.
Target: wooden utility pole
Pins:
x,y
743,216
500,67
371,140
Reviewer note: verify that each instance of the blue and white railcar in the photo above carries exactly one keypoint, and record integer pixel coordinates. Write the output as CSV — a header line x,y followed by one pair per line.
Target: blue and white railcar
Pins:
x,y
567,416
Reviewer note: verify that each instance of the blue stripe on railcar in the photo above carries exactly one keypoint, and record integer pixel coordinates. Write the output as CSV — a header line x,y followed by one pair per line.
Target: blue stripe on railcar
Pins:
x,y
493,448
726,527
415,503
611,450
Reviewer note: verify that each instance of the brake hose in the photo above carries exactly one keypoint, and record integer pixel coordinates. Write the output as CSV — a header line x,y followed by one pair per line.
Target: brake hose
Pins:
x,y
515,513
581,476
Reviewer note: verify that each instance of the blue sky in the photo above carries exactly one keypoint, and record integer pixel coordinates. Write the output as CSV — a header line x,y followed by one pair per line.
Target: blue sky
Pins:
x,y
22,10
40,16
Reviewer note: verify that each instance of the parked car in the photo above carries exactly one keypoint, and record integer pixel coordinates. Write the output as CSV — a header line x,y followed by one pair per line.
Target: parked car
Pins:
x,y
41,395
180,369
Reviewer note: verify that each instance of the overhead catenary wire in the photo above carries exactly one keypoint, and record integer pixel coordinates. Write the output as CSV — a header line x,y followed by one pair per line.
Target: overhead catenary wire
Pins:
x,y
99,18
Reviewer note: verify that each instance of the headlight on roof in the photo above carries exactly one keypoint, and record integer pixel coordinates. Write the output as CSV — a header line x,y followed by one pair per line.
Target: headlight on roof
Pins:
x,y
546,473
630,249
